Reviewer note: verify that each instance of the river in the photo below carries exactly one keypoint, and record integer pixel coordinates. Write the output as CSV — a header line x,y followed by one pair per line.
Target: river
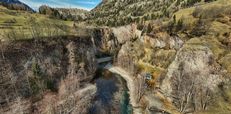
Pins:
x,y
112,94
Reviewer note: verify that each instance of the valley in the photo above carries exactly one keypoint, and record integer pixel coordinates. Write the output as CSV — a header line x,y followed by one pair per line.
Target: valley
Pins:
x,y
121,57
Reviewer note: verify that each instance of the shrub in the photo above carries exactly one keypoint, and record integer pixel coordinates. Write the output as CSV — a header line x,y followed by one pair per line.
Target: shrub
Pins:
x,y
52,85
149,28
34,86
201,28
170,27
36,69
179,25
140,26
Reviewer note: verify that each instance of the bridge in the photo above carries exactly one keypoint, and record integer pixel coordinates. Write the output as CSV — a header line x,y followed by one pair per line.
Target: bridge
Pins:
x,y
104,60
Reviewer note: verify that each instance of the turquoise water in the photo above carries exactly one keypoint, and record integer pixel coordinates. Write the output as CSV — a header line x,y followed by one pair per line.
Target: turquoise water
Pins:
x,y
107,86
126,108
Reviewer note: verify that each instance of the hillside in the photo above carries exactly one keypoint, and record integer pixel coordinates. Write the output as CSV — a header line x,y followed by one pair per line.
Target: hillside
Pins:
x,y
73,14
124,12
16,24
15,5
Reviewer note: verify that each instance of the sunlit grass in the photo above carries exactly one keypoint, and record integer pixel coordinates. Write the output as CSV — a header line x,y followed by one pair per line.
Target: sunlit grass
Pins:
x,y
20,22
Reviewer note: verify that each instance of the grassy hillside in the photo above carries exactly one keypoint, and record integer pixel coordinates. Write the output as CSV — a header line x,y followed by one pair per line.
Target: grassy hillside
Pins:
x,y
21,25
125,12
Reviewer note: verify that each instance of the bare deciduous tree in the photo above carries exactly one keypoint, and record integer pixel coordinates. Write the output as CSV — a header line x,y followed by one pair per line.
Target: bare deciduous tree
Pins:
x,y
189,93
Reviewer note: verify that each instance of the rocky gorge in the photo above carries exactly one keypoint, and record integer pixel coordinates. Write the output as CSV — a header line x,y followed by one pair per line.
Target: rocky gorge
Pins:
x,y
170,74
187,75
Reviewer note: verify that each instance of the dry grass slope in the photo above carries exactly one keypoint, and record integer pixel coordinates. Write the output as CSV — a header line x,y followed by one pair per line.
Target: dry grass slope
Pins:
x,y
23,25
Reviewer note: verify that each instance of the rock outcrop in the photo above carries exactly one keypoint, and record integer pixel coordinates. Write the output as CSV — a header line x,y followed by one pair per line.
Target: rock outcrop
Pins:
x,y
110,39
192,78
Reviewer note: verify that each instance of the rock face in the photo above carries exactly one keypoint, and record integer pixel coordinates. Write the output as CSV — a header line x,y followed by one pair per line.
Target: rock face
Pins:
x,y
47,76
164,41
192,78
76,14
104,40
110,39
126,33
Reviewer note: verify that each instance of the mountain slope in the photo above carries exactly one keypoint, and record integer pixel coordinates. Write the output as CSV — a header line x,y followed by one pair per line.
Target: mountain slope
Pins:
x,y
127,11
121,12
16,5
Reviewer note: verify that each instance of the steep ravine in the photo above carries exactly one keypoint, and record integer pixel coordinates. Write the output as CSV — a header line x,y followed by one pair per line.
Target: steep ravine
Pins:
x,y
47,76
